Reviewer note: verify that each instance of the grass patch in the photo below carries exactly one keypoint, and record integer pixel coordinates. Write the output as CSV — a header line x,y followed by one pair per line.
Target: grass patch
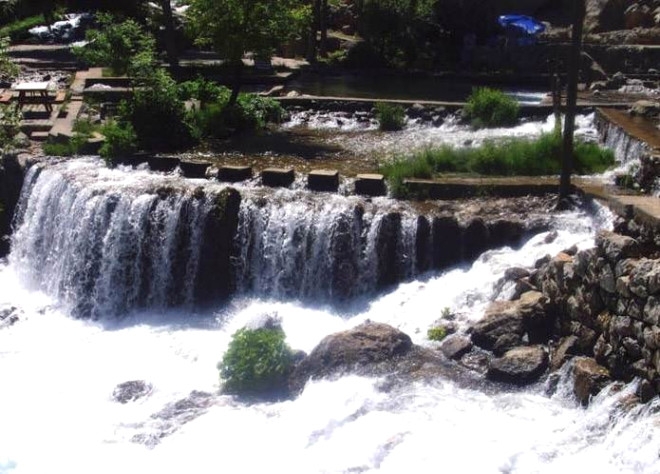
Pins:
x,y
391,117
512,157
18,30
491,108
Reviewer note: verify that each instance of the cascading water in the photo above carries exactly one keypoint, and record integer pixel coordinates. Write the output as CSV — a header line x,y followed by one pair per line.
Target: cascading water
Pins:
x,y
297,246
106,248
58,413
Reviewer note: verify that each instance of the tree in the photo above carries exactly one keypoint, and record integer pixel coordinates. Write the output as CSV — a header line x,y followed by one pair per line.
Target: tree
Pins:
x,y
116,45
571,101
234,27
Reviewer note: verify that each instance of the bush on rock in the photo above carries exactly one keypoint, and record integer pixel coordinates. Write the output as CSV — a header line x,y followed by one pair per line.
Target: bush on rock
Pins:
x,y
257,362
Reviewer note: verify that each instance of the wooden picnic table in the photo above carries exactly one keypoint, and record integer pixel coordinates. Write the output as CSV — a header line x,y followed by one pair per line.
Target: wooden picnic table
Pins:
x,y
34,93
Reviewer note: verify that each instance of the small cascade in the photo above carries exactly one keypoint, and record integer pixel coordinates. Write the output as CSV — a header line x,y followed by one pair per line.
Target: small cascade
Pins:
x,y
108,248
627,149
331,249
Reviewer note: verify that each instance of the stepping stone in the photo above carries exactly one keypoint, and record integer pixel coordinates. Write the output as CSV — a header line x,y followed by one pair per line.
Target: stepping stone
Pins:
x,y
39,136
194,169
323,180
370,185
233,174
163,163
278,177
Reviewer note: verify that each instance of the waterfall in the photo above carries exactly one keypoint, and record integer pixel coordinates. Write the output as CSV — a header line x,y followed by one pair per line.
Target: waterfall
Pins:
x,y
105,247
329,249
111,241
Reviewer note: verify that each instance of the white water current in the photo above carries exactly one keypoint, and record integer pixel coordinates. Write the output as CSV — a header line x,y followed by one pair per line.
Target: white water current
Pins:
x,y
57,413
58,373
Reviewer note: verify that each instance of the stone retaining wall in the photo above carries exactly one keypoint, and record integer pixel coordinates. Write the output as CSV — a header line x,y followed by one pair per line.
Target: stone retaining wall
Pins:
x,y
601,306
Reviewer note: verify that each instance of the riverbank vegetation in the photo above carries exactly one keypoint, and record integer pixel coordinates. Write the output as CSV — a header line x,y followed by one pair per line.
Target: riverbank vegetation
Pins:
x,y
510,157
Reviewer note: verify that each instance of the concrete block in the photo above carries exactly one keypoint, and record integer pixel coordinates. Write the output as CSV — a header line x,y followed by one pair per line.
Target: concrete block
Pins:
x,y
278,177
163,163
370,185
323,180
194,169
233,174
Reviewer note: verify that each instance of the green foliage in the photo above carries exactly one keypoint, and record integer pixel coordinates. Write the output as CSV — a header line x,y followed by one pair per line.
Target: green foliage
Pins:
x,y
119,45
257,362
402,168
511,157
120,140
491,108
203,90
232,27
221,119
10,121
157,115
83,130
8,67
390,117
398,31
437,333
18,30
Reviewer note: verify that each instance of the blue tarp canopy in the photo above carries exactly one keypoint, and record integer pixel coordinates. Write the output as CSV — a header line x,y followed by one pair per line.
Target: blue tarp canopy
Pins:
x,y
524,23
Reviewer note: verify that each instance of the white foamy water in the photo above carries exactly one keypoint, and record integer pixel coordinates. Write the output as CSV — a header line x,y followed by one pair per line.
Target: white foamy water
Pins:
x,y
57,414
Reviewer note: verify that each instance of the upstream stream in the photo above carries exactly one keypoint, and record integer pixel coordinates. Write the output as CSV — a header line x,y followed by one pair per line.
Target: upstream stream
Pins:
x,y
75,252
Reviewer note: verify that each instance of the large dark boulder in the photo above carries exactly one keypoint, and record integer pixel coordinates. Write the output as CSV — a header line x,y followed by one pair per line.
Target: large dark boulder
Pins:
x,y
519,366
356,350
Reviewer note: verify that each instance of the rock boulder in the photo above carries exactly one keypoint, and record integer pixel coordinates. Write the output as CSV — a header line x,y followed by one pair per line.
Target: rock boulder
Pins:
x,y
356,350
520,366
589,378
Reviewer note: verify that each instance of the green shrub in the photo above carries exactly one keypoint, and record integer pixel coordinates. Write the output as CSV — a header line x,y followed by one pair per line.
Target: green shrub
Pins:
x,y
437,333
250,113
203,90
120,140
157,115
390,117
257,362
491,108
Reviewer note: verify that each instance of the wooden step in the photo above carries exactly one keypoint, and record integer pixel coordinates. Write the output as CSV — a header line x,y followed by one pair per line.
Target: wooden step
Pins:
x,y
39,136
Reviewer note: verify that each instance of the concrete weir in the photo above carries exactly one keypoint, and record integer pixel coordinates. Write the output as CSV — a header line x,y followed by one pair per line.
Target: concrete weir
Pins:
x,y
323,180
370,185
278,177
234,174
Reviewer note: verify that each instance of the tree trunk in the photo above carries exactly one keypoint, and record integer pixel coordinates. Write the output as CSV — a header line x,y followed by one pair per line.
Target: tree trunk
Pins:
x,y
170,36
237,81
571,100
323,25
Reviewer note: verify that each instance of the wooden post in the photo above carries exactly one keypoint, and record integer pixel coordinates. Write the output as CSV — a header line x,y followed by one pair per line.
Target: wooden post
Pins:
x,y
571,101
